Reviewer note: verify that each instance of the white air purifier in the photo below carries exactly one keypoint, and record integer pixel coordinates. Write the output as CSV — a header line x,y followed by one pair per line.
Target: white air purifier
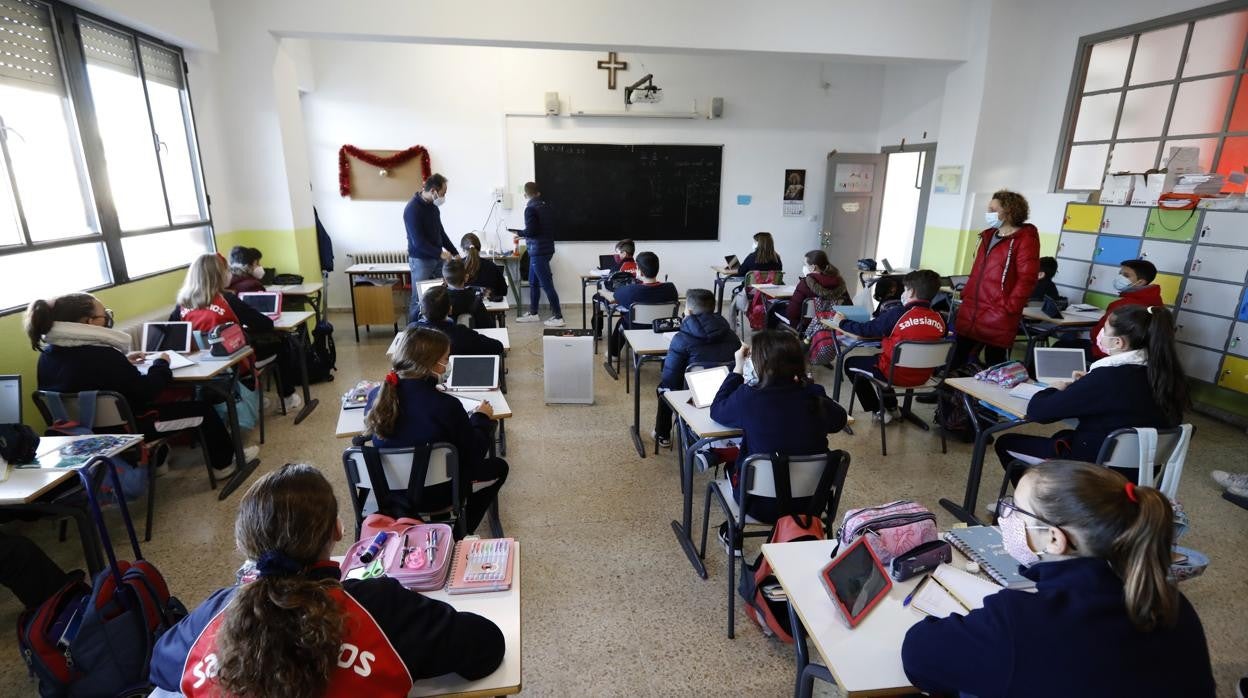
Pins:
x,y
568,364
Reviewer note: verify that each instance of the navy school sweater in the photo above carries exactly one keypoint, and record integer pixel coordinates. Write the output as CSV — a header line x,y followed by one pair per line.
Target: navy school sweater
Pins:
x,y
657,292
792,419
464,340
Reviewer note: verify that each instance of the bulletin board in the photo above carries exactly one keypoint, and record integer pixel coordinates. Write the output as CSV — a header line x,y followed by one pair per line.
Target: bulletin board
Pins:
x,y
399,183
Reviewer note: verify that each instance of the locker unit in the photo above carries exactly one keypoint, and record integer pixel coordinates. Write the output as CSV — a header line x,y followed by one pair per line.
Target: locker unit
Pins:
x,y
1202,263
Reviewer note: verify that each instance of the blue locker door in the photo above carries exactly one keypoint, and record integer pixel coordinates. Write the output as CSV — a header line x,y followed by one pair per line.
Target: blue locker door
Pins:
x,y
1113,250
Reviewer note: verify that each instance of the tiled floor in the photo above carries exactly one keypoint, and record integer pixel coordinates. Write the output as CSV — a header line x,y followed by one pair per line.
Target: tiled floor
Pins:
x,y
611,605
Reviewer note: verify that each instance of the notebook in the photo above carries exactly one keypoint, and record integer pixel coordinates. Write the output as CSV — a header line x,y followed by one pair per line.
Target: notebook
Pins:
x,y
983,545
856,313
1026,391
481,565
949,590
176,361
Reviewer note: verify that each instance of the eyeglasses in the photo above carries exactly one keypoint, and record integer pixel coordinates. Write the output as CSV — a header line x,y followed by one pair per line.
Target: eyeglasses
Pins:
x,y
107,316
1006,508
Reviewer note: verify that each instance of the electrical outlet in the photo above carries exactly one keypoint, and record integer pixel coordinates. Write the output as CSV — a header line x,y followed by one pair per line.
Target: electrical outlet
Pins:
x,y
498,193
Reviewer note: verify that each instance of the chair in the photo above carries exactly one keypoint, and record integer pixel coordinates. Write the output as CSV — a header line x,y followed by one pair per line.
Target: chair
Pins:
x,y
820,477
109,412
264,373
749,281
637,316
1141,448
908,354
808,316
605,310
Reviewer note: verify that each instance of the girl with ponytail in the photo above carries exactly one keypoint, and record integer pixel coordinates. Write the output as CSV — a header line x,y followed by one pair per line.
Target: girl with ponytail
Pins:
x,y
297,631
483,273
410,409
1105,618
1140,383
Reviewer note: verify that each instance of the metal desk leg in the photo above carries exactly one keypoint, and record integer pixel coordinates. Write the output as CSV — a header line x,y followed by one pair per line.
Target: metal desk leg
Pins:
x,y
806,672
354,322
636,428
611,369
243,468
720,282
309,404
684,528
502,438
965,512
584,322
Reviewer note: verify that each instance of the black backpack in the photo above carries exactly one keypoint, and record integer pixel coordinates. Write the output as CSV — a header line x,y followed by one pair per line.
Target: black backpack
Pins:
x,y
18,443
951,412
322,354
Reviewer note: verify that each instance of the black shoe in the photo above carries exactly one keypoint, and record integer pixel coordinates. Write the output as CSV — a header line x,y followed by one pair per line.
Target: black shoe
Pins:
x,y
735,550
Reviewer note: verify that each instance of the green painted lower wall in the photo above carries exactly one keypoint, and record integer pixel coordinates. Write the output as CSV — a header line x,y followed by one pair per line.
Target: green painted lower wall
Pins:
x,y
289,251
1222,399
952,251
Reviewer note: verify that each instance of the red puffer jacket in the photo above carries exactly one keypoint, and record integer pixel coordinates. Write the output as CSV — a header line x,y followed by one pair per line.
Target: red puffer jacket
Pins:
x,y
1000,284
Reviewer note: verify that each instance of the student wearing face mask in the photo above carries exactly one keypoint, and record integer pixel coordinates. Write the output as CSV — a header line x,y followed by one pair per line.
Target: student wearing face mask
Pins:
x,y
1104,620
820,280
411,409
1135,286
246,271
427,243
1139,383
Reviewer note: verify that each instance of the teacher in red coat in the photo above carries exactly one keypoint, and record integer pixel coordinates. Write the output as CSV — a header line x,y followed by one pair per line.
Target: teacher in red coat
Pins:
x,y
1005,270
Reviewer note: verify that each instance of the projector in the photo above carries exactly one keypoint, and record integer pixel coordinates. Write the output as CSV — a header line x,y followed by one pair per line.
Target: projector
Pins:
x,y
647,95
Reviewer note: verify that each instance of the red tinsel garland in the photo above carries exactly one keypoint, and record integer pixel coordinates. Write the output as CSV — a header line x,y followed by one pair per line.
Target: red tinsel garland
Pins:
x,y
399,158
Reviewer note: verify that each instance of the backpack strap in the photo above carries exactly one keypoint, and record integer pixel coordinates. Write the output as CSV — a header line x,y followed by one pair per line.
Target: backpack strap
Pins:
x,y
61,420
389,501
784,488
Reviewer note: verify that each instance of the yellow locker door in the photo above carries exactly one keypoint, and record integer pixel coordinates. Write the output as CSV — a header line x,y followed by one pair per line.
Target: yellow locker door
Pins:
x,y
1234,374
1169,284
1084,218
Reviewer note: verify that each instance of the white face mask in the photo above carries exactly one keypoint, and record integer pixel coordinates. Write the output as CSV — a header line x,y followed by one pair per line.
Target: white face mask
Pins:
x,y
756,244
993,219
906,297
258,272
810,269
748,373
439,200
1014,537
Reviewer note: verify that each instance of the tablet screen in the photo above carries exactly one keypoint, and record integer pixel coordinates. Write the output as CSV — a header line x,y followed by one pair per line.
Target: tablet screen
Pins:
x,y
705,384
265,303
1059,363
474,371
167,336
422,287
857,580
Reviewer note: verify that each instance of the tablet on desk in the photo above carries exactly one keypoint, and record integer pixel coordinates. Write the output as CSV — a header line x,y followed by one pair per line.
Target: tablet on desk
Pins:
x,y
1056,364
856,581
267,303
606,261
704,384
422,287
731,262
473,373
167,336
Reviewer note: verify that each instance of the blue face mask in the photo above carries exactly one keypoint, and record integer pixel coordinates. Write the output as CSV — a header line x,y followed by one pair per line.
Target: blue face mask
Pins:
x,y
993,219
1122,283
748,372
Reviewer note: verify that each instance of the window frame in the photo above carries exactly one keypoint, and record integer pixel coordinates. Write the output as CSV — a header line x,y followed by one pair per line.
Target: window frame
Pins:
x,y
1075,93
86,139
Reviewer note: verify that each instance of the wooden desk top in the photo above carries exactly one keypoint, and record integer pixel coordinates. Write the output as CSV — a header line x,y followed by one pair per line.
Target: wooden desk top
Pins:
x,y
648,342
380,268
25,485
725,271
351,422
990,393
697,418
207,366
865,660
290,321
296,289
1070,318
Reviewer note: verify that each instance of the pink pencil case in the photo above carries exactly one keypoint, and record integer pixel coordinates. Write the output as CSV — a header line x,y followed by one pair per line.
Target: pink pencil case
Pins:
x,y
404,556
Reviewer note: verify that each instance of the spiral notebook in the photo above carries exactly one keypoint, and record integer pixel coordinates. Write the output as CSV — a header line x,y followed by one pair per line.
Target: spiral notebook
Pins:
x,y
983,545
482,565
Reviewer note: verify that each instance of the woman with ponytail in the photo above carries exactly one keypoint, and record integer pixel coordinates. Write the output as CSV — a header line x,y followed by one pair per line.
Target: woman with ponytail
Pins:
x,y
297,631
1140,383
483,273
1105,619
411,409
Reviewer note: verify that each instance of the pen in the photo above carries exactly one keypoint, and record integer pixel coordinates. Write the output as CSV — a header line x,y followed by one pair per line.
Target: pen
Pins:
x,y
406,549
431,539
950,593
915,590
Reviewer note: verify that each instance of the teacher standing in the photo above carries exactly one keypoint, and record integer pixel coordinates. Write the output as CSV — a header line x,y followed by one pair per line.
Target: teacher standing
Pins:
x,y
1006,267
539,240
426,238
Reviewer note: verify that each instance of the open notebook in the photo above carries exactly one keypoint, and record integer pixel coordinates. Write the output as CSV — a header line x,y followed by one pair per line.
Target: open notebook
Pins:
x,y
176,361
950,590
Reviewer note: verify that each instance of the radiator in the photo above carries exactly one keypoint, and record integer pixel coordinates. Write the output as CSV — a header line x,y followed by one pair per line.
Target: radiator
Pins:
x,y
392,257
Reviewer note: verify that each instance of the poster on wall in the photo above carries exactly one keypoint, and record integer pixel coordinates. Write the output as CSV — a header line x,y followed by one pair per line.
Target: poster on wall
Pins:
x,y
854,177
794,192
948,180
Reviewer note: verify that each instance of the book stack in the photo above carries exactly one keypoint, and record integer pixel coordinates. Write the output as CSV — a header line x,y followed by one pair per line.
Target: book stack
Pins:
x,y
1207,184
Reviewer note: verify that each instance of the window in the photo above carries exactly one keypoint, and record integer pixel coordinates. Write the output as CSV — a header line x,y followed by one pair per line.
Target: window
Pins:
x,y
99,167
1140,91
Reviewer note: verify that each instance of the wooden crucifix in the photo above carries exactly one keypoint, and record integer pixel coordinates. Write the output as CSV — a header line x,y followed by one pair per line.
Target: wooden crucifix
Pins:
x,y
611,65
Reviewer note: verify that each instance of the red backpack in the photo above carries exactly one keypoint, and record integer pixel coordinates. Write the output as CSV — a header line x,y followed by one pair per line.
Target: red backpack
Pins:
x,y
757,311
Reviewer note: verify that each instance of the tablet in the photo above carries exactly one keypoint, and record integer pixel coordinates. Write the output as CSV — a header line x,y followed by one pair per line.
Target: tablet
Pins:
x,y
888,268
606,261
167,336
856,581
705,384
422,287
473,372
266,302
731,261
1056,364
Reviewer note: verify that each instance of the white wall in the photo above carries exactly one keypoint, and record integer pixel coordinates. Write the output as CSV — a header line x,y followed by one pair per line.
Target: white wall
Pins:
x,y
910,109
452,99
186,23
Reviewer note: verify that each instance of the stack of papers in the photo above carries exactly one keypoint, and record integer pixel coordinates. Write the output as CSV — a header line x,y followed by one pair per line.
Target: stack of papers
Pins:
x,y
1201,184
950,590
1026,391
176,361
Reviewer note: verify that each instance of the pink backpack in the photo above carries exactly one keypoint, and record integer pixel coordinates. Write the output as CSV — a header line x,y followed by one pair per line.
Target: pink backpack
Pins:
x,y
891,529
757,311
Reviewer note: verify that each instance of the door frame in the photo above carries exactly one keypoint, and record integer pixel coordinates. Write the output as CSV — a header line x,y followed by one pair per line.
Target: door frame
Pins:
x,y
871,236
928,154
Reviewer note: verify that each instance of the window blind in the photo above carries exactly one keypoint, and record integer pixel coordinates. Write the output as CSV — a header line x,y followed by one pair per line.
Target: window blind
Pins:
x,y
161,65
27,50
108,48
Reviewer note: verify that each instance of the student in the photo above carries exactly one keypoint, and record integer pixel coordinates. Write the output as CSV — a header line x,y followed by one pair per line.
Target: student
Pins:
x,y
464,300
246,271
435,307
785,412
1140,383
203,302
820,280
79,350
887,292
409,409
762,258
624,262
482,273
917,322
624,251
1135,286
1045,288
1104,619
28,571
649,290
704,337
298,631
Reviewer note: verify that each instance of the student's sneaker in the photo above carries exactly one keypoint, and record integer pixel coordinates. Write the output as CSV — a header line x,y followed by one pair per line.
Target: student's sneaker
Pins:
x,y
662,441
294,402
224,473
1231,481
529,317
554,322
735,551
250,453
887,416
705,460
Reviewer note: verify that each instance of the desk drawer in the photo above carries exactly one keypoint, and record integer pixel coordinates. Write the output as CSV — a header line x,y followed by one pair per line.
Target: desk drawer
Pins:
x,y
1202,330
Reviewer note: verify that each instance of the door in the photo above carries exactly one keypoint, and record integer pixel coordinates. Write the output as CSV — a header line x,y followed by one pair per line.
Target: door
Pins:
x,y
907,188
1224,228
851,206
1209,297
1111,249
1200,364
1072,273
1083,218
1207,331
1239,340
1101,279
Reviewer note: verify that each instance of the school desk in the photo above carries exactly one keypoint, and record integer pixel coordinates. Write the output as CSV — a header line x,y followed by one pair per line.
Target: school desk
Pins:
x,y
351,422
722,276
1070,318
1015,415
499,310
692,423
643,346
289,324
863,661
508,258
220,377
496,333
313,291
588,280
374,305
776,291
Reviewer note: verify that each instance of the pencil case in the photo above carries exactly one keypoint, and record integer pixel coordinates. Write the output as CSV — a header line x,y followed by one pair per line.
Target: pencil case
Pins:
x,y
403,557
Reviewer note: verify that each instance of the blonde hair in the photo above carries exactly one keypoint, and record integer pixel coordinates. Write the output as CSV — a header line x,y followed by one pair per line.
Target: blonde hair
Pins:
x,y
416,356
206,279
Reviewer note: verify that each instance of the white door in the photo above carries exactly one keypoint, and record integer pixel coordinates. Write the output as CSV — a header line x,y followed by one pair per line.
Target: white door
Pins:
x,y
1239,339
1124,220
1076,246
1072,273
1209,297
1224,228
1168,257
1101,279
1207,331
851,206
1221,263
1201,364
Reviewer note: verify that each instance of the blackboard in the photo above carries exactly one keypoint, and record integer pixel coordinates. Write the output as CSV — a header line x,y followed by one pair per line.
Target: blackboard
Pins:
x,y
600,191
